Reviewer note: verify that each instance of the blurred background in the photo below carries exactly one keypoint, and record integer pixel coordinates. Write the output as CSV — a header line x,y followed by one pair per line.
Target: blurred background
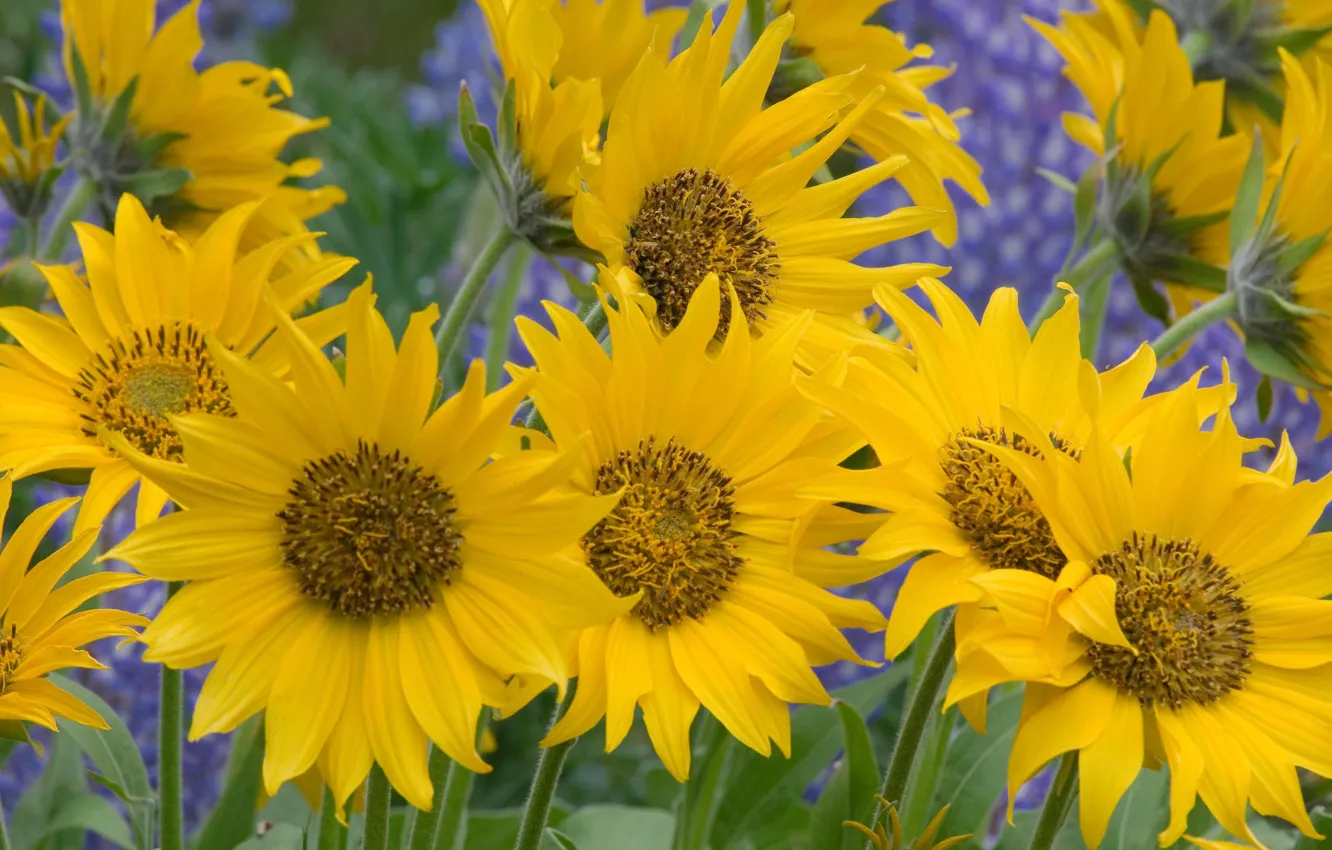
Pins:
x,y
387,74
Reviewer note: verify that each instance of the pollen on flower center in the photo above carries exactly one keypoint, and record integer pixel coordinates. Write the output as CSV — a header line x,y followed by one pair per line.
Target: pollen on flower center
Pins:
x,y
370,532
1183,613
693,224
993,508
134,385
11,653
671,534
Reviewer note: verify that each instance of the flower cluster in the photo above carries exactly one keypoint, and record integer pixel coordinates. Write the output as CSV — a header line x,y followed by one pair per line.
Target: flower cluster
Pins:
x,y
743,417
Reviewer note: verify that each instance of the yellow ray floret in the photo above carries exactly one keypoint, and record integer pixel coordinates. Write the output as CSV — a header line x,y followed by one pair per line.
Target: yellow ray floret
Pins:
x,y
231,131
1190,627
357,569
696,178
837,36
604,40
129,350
706,446
40,630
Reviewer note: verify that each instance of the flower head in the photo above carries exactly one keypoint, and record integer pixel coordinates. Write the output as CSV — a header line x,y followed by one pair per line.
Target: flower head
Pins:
x,y
721,559
836,36
696,179
40,629
357,567
1189,627
130,350
191,145
27,158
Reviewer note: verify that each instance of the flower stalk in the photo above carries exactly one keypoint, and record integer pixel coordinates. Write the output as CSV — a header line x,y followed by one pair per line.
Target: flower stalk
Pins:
x,y
170,730
464,301
1063,791
1174,338
378,796
550,764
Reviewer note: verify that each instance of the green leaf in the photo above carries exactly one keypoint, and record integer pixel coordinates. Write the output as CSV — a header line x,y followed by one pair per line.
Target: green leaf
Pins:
x,y
1018,836
759,789
116,756
694,20
1296,40
1322,821
1150,299
1263,397
1264,357
832,808
82,88
17,731
62,777
1058,180
233,819
612,827
1142,812
148,186
862,766
281,836
975,768
153,145
1179,268
118,116
553,839
85,813
1188,224
1244,214
507,121
1291,257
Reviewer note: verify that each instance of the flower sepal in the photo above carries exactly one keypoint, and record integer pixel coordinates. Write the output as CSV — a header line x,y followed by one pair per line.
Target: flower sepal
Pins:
x,y
17,731
28,165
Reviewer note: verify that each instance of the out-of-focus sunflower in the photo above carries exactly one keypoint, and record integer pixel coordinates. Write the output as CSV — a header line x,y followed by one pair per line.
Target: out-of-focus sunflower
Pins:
x,y
220,129
27,157
129,350
604,40
357,568
1190,626
1171,176
837,37
946,496
706,445
696,179
40,631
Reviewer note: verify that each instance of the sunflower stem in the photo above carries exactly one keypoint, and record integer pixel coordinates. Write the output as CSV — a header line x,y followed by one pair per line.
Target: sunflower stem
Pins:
x,y
420,826
501,314
1101,260
170,730
76,202
378,796
332,835
1063,791
1173,338
544,781
1094,305
699,796
449,835
464,301
916,719
4,830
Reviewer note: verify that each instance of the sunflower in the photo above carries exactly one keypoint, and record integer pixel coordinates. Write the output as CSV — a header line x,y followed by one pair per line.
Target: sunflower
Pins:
x,y
604,40
25,162
695,179
1168,131
1188,628
836,36
706,445
356,566
129,350
947,497
221,126
40,631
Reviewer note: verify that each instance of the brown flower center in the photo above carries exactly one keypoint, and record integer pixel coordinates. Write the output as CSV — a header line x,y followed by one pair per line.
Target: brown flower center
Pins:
x,y
1183,613
11,654
694,224
671,536
370,533
134,385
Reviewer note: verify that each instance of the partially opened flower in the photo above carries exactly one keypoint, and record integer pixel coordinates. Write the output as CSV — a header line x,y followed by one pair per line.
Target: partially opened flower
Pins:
x,y
357,569
945,496
129,351
706,445
838,37
697,178
191,145
40,629
27,157
1189,628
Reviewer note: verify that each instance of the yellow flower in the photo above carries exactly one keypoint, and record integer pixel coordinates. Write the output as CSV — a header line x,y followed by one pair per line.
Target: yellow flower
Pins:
x,y
946,496
836,37
40,631
357,569
1168,129
706,445
558,124
129,350
604,40
696,179
230,131
24,160
1190,627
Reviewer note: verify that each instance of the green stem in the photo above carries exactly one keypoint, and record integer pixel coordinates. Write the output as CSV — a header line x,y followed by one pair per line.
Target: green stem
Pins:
x,y
4,831
1100,260
1063,791
421,827
917,717
544,781
1219,309
700,794
757,14
1094,305
76,202
170,730
594,319
378,795
32,235
332,835
457,791
502,308
464,301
